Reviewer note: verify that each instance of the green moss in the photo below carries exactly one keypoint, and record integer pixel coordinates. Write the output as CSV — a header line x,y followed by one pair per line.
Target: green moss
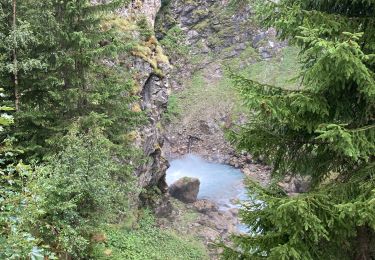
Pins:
x,y
145,28
173,110
186,179
151,194
187,216
200,12
174,43
214,40
191,2
249,52
158,72
151,52
202,25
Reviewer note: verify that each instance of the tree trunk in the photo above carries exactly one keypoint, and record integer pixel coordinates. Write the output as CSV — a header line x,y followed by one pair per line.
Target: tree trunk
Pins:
x,y
363,240
15,62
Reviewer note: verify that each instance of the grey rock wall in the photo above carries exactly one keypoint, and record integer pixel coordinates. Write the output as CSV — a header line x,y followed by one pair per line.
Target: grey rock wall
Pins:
x,y
153,100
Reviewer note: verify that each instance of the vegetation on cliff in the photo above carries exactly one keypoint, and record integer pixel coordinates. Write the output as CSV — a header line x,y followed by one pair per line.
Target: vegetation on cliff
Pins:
x,y
323,131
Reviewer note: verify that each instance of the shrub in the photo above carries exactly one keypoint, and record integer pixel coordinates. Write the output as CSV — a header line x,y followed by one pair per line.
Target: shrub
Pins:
x,y
148,242
79,189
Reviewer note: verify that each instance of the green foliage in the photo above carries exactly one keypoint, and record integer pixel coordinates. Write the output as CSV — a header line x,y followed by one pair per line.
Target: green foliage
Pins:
x,y
173,110
174,43
16,240
5,118
165,18
78,189
145,29
165,3
75,114
323,130
148,242
20,39
78,74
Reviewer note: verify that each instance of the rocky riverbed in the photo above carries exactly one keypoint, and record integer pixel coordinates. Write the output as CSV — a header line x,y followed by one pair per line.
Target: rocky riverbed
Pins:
x,y
203,220
205,199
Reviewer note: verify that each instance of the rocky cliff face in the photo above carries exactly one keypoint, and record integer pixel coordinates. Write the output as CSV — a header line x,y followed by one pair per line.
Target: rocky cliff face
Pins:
x,y
136,8
219,34
221,27
149,69
216,33
209,25
154,99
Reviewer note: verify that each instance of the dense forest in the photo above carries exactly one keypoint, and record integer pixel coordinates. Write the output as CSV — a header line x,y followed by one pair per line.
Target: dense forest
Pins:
x,y
69,109
85,113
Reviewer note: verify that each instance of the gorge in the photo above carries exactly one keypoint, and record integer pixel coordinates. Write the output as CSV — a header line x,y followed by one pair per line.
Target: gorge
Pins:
x,y
187,129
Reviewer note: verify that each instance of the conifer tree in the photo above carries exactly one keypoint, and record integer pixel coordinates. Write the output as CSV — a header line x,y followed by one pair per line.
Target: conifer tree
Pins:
x,y
77,78
16,39
74,112
324,131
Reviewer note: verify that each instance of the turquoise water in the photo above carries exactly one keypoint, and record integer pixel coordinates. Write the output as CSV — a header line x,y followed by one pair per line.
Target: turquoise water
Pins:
x,y
220,183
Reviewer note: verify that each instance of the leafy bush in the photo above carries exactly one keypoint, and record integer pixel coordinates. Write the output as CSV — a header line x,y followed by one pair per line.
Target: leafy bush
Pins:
x,y
16,241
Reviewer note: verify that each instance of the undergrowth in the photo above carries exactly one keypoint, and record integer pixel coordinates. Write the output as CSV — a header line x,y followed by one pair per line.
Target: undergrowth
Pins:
x,y
173,110
148,242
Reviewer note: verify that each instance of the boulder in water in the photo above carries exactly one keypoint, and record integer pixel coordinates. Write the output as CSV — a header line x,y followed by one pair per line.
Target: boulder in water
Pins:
x,y
185,189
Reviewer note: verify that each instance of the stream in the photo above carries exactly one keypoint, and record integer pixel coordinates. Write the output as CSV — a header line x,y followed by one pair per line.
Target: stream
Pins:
x,y
220,183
